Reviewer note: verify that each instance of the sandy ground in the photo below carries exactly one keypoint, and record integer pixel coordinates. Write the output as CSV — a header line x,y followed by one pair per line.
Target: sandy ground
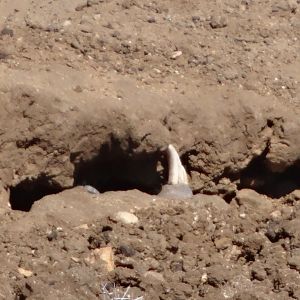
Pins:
x,y
90,91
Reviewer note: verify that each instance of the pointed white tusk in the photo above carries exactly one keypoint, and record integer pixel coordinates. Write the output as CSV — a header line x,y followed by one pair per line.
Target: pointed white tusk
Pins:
x,y
177,173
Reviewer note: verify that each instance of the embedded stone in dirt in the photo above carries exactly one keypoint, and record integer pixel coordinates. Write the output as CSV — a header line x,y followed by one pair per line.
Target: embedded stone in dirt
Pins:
x,y
252,199
176,191
202,200
126,217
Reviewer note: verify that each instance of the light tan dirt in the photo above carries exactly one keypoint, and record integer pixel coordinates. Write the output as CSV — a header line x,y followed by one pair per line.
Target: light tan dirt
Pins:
x,y
91,90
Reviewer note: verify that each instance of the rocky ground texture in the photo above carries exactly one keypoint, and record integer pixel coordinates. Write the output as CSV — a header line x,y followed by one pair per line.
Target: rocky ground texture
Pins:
x,y
90,92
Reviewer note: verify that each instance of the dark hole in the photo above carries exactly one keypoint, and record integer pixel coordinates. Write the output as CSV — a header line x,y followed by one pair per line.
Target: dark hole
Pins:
x,y
115,169
25,193
173,249
257,176
21,297
229,196
270,123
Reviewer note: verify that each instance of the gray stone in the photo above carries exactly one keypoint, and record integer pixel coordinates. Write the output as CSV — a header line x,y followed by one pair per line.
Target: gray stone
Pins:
x,y
154,276
202,200
294,262
252,199
222,243
176,191
91,190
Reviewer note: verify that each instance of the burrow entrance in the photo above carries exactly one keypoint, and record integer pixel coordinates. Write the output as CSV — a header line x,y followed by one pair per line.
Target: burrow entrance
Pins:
x,y
24,194
112,169
258,177
116,169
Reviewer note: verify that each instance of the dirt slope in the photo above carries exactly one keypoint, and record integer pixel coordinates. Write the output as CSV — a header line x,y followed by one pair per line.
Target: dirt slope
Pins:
x,y
91,91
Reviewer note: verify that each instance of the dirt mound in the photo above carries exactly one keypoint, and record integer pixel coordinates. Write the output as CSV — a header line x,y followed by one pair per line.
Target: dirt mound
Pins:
x,y
92,90
203,248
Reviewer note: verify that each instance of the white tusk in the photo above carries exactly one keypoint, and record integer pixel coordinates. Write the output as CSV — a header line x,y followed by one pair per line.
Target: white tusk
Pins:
x,y
177,173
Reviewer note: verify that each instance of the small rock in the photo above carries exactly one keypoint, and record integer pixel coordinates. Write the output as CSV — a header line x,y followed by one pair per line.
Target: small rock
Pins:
x,y
222,243
126,217
204,278
105,254
127,250
295,194
93,2
25,273
151,20
152,263
252,199
4,54
176,54
176,266
202,200
258,272
91,190
197,19
66,23
154,276
218,22
294,262
7,31
83,226
52,234
242,215
283,5
287,212
75,259
86,28
97,17
81,5
76,45
230,74
274,231
276,215
176,191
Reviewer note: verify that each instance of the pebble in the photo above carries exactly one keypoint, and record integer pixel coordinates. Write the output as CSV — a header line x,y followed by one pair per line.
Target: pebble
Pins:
x,y
222,243
126,217
25,273
276,215
176,54
91,190
258,272
218,22
75,259
52,234
151,20
7,31
152,275
67,23
202,200
127,250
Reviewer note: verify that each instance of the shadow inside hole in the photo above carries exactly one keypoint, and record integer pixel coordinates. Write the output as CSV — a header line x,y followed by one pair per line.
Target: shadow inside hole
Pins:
x,y
115,169
25,193
275,185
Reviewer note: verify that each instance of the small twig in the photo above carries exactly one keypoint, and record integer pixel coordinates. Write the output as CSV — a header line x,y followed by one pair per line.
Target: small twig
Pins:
x,y
115,293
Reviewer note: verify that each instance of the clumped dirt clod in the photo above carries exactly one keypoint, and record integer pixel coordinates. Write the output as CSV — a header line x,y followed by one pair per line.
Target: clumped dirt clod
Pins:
x,y
176,250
